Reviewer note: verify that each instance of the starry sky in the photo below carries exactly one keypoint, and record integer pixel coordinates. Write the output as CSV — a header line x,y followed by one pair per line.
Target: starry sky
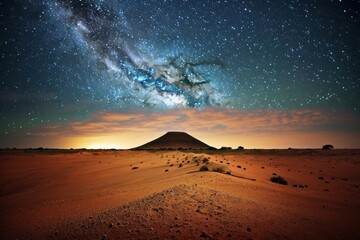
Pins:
x,y
101,74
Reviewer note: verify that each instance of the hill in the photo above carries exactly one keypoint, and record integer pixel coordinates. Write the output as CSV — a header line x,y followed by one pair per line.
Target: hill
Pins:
x,y
175,140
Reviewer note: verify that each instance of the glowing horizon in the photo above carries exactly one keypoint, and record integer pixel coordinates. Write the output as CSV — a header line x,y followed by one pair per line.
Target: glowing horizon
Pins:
x,y
306,128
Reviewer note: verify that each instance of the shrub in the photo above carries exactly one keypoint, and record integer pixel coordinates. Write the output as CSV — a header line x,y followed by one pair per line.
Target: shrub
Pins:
x,y
180,165
226,148
279,180
204,168
328,147
205,160
135,168
219,170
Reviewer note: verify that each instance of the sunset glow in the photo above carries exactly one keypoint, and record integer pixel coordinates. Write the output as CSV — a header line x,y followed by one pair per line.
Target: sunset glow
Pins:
x,y
307,128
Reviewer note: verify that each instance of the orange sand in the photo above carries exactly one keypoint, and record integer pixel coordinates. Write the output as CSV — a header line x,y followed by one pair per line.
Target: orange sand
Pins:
x,y
97,195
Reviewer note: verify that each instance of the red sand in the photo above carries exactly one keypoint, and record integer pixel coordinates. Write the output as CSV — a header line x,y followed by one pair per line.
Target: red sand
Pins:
x,y
97,195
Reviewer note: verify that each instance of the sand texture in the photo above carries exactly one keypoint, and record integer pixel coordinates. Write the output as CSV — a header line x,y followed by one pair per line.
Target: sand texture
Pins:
x,y
79,194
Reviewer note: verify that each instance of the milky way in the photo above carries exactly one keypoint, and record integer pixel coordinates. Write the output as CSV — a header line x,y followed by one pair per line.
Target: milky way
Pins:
x,y
63,60
155,78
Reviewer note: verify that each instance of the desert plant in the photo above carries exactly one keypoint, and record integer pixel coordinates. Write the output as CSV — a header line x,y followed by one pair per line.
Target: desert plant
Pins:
x,y
204,168
279,180
180,165
225,148
328,147
219,170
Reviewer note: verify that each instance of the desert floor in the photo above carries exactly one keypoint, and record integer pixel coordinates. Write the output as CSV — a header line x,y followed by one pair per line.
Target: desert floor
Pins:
x,y
58,194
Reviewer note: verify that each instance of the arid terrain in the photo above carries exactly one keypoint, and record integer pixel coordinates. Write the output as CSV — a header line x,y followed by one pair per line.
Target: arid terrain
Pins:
x,y
83,194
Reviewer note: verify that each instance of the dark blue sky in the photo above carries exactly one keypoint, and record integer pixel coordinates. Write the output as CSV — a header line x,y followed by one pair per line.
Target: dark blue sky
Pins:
x,y
64,60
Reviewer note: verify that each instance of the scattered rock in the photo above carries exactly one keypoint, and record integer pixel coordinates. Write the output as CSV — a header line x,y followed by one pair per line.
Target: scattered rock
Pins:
x,y
134,168
248,229
279,180
204,168
205,235
56,233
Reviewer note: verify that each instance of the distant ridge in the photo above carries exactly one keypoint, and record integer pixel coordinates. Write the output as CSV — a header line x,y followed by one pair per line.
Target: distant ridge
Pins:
x,y
175,140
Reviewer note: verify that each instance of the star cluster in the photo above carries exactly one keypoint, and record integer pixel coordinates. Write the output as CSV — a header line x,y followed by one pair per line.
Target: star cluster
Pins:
x,y
64,59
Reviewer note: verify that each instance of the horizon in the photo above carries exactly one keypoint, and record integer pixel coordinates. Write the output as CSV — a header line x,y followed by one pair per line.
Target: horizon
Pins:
x,y
102,146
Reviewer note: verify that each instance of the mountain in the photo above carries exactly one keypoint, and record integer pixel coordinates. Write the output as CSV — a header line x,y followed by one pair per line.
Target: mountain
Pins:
x,y
175,140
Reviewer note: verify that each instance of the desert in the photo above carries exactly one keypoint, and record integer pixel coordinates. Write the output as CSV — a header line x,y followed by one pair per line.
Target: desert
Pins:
x,y
163,194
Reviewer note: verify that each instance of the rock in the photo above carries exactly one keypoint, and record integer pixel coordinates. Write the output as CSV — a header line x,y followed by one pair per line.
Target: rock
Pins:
x,y
248,229
204,235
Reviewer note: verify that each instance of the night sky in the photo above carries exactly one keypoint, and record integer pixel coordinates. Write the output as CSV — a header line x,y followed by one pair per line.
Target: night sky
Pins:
x,y
119,73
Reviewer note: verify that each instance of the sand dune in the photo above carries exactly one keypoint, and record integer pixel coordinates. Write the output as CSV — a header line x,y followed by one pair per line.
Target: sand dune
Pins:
x,y
149,195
